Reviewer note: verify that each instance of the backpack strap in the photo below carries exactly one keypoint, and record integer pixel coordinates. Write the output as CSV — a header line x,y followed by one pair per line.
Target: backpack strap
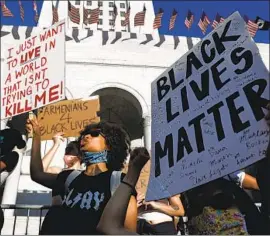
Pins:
x,y
71,177
115,181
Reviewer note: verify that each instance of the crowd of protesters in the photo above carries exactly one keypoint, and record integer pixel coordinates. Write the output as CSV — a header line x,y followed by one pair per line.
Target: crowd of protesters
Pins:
x,y
91,195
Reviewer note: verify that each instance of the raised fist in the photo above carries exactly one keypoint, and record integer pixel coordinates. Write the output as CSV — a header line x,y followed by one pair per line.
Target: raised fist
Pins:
x,y
138,158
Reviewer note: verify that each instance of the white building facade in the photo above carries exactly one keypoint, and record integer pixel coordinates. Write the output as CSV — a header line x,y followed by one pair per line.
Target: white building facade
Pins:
x,y
117,63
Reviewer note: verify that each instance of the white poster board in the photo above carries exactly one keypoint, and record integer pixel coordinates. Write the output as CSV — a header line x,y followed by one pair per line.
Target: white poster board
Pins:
x,y
208,112
34,72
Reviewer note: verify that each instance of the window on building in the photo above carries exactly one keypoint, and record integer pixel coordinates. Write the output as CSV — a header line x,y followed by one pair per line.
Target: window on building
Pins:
x,y
89,3
111,22
111,4
122,13
100,22
77,2
110,13
122,23
100,3
100,12
122,5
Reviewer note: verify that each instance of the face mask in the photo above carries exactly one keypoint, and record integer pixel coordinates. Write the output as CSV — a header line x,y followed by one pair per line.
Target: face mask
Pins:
x,y
95,157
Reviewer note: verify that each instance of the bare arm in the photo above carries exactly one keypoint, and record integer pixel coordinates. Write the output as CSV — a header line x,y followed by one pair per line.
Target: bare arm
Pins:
x,y
131,215
2,166
250,182
175,208
47,159
54,170
36,167
113,217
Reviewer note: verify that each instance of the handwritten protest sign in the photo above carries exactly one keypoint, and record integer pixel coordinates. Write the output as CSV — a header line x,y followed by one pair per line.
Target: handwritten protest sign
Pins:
x,y
70,117
34,72
142,182
208,112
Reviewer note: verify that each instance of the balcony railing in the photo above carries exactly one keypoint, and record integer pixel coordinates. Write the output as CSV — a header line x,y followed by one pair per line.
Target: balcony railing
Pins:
x,y
27,219
24,220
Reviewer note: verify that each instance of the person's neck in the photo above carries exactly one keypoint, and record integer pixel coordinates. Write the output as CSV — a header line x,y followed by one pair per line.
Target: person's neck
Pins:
x,y
95,169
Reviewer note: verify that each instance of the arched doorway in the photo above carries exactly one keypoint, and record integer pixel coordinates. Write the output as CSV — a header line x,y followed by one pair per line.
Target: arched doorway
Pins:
x,y
119,106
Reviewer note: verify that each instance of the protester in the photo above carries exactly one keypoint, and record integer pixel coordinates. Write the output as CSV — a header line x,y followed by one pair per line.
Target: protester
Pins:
x,y
105,147
221,207
157,217
218,207
72,157
263,179
11,144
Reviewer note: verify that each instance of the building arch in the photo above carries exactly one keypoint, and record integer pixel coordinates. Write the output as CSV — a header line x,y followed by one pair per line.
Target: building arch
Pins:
x,y
135,93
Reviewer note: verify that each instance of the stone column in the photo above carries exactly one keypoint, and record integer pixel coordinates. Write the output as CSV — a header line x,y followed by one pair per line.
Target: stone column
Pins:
x,y
12,183
147,132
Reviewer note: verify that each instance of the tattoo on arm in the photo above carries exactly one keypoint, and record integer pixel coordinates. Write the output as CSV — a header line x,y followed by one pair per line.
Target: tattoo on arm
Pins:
x,y
176,208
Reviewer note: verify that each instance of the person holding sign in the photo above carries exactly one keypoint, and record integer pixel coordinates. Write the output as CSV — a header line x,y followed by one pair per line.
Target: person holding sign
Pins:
x,y
104,148
221,207
221,213
157,217
72,157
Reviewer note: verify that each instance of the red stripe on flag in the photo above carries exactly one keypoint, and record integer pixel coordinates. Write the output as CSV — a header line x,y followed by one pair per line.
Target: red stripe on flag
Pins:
x,y
157,20
94,15
5,11
139,18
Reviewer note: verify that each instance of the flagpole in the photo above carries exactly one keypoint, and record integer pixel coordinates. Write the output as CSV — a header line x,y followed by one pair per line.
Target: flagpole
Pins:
x,y
57,4
81,10
127,7
68,16
114,16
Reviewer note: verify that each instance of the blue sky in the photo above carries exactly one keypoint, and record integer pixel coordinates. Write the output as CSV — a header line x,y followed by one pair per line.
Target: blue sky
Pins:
x,y
224,8
28,12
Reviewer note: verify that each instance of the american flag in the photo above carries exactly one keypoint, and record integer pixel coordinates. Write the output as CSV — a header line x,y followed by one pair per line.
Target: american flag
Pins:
x,y
73,13
203,22
189,19
173,19
86,13
158,18
21,10
5,11
252,26
54,14
35,10
94,15
115,13
127,14
217,20
139,17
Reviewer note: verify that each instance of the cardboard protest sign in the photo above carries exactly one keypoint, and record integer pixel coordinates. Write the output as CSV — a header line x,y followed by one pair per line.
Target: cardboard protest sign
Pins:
x,y
34,72
208,112
69,116
142,182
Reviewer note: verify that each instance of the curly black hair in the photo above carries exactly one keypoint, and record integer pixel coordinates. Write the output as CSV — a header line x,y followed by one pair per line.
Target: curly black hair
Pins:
x,y
117,140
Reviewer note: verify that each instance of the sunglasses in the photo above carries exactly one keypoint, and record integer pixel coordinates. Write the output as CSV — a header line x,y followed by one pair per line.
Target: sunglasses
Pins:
x,y
95,133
